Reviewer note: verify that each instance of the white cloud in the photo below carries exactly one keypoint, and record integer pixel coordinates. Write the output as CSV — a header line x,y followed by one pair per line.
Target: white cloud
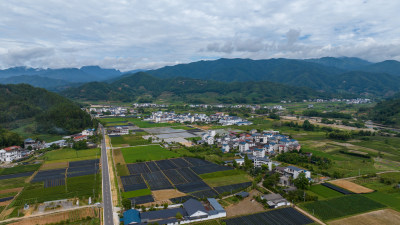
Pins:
x,y
147,34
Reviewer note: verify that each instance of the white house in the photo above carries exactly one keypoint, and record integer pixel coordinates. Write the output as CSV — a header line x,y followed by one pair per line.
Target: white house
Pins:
x,y
225,148
11,153
295,171
195,209
243,146
88,132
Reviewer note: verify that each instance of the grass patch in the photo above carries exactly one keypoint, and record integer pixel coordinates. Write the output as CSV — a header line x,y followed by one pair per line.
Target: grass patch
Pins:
x,y
69,154
131,194
135,121
222,174
146,153
227,180
122,170
183,127
9,194
342,206
324,192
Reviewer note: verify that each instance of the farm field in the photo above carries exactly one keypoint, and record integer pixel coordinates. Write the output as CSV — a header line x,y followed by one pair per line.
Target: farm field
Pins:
x,y
388,199
12,183
342,206
136,193
227,177
283,216
146,153
135,121
129,140
69,154
20,169
355,188
384,216
323,192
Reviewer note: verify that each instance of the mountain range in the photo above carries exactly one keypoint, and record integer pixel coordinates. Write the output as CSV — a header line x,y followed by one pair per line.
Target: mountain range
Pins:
x,y
339,76
143,87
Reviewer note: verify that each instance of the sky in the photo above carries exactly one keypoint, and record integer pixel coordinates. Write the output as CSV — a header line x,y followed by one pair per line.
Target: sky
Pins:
x,y
139,34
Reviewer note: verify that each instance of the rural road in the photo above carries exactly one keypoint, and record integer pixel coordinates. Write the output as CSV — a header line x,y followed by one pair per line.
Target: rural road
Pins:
x,y
107,201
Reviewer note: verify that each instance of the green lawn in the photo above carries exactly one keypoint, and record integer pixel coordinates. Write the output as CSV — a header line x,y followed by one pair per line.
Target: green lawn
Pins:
x,y
146,153
131,140
131,194
342,206
68,154
227,177
324,192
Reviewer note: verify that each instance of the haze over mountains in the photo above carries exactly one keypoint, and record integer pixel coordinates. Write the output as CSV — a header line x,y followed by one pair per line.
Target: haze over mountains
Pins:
x,y
343,75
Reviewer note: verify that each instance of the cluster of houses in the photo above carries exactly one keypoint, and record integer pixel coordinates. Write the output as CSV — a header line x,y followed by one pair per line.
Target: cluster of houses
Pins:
x,y
12,153
348,101
149,105
172,117
253,143
100,111
190,211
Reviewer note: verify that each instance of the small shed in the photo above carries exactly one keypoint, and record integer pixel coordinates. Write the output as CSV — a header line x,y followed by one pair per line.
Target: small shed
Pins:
x,y
243,194
131,216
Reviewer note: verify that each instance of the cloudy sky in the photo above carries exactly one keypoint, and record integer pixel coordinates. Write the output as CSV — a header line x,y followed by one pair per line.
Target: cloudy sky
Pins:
x,y
149,34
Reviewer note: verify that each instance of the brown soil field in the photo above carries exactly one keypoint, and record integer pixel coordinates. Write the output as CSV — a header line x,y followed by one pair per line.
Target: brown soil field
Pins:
x,y
202,127
5,213
5,203
118,157
56,165
246,206
73,215
351,186
11,190
384,216
164,195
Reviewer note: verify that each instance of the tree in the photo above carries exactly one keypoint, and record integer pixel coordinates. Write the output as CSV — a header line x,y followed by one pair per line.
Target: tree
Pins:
x,y
234,163
308,126
79,145
301,182
178,216
247,162
126,203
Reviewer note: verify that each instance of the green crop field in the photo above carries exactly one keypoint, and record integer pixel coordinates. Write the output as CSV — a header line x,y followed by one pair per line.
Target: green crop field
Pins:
x,y
20,169
342,206
208,222
131,140
227,177
131,194
12,183
146,153
324,192
82,186
68,154
389,199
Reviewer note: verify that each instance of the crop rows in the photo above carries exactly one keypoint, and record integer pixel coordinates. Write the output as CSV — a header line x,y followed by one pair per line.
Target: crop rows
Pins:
x,y
157,181
205,194
209,168
138,168
336,188
133,182
174,177
232,188
166,164
54,182
285,216
152,166
142,199
15,175
48,175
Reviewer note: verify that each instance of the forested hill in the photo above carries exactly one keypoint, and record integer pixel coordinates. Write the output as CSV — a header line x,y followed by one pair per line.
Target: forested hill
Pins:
x,y
143,87
47,112
387,112
348,75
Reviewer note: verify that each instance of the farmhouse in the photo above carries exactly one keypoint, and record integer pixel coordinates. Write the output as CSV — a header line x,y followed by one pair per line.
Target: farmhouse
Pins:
x,y
191,211
275,200
10,153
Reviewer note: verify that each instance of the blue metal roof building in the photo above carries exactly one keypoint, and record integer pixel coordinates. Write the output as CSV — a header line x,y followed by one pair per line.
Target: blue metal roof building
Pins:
x,y
131,216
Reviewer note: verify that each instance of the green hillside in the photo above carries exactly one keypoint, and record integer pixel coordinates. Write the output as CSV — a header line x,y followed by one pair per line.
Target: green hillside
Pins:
x,y
387,112
49,112
143,87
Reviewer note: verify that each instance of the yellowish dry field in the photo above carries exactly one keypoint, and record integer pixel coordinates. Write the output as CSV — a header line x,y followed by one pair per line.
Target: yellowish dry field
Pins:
x,y
384,216
164,195
351,186
55,165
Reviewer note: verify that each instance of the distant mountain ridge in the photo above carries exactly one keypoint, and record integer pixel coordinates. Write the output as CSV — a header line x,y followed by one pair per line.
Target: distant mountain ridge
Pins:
x,y
143,87
67,75
351,75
